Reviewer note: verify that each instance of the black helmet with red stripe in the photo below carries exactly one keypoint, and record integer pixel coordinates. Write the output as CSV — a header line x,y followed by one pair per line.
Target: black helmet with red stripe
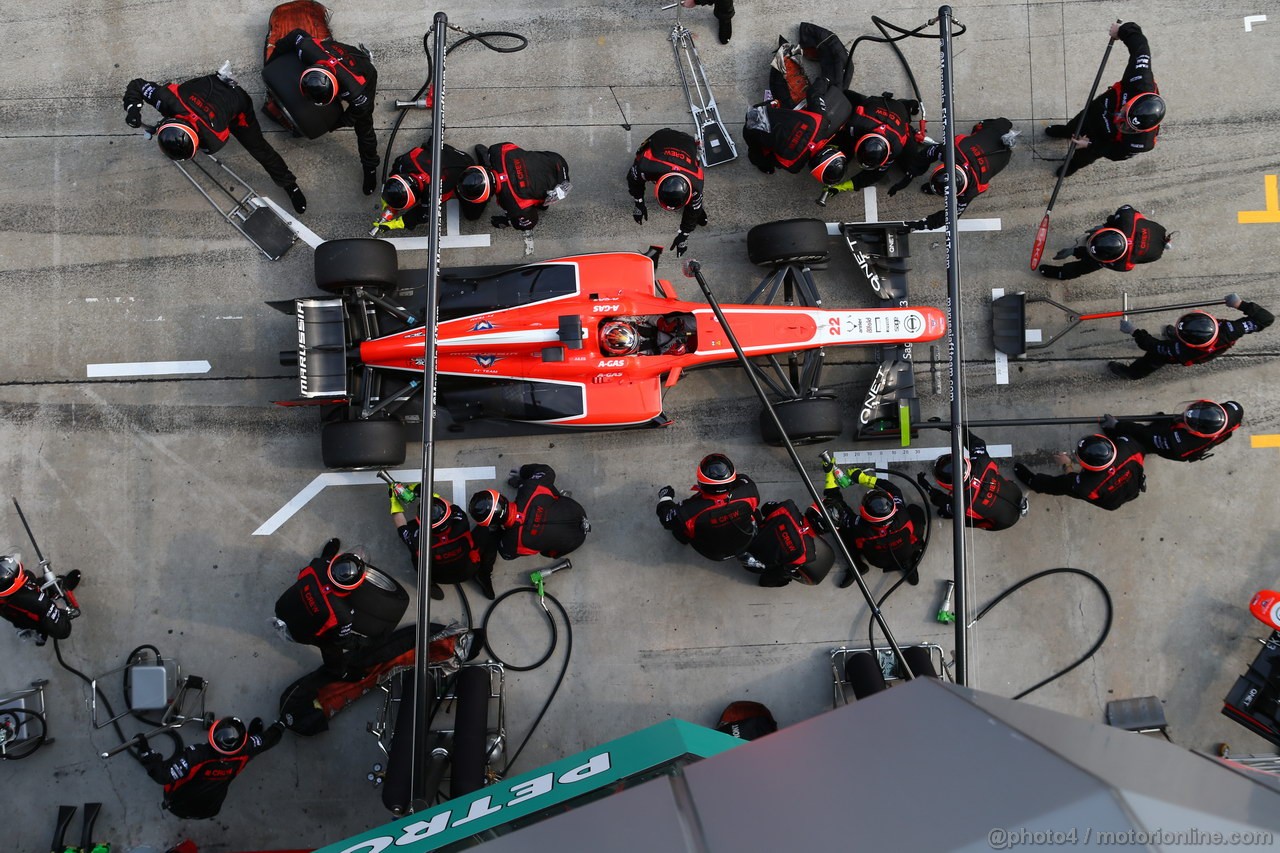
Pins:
x,y
177,138
11,575
476,184
399,192
673,191
871,151
1205,419
318,85
1096,452
1106,245
943,471
488,507
878,506
828,165
1142,113
1198,329
346,572
440,509
716,473
940,178
228,735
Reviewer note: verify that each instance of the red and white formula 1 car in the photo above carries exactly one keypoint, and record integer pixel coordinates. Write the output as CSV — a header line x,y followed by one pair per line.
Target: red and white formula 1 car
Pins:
x,y
583,342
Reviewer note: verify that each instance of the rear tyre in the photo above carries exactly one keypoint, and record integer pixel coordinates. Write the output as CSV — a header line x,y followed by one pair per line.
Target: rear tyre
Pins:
x,y
378,604
340,264
470,728
808,420
791,241
362,444
862,671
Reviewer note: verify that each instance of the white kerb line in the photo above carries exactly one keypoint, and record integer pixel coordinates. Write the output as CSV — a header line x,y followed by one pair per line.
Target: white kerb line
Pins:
x,y
146,368
1002,359
881,459
458,477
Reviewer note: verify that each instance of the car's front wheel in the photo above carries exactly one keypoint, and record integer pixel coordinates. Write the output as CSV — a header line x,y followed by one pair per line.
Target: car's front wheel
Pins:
x,y
362,444
807,420
791,241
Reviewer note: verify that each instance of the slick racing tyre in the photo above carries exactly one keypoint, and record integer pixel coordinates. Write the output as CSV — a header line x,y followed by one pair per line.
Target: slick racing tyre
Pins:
x,y
378,604
807,420
362,444
862,671
341,264
791,241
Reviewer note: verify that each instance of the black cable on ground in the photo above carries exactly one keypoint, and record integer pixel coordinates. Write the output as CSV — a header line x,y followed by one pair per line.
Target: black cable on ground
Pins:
x,y
1106,628
884,27
483,38
555,636
106,703
906,572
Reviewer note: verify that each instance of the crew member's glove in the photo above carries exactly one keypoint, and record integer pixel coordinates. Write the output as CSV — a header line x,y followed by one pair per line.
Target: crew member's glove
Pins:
x,y
899,186
1233,300
1127,326
1063,254
865,178
640,212
864,478
918,225
666,493
296,197
396,506
502,221
133,115
1023,473
927,188
1109,422
1050,272
389,224
923,481
680,243
255,726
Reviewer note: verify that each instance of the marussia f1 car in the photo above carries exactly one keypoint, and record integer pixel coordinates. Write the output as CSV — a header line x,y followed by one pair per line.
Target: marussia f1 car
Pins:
x,y
583,342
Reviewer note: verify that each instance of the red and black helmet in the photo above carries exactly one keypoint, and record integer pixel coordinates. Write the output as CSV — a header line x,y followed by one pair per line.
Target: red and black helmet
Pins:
x,y
476,184
399,193
346,572
488,507
1142,113
878,506
673,191
1205,419
177,138
1107,245
828,165
871,150
1096,452
944,474
11,575
1198,329
228,735
716,473
940,178
318,85
440,509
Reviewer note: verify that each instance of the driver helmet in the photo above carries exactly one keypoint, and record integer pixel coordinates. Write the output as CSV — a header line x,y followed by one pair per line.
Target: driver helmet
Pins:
x,y
878,507
1142,114
828,165
942,471
476,184
716,473
228,735
11,574
871,151
939,179
489,507
318,85
398,193
346,572
618,337
1096,452
177,138
1107,245
440,509
673,191
1205,419
1198,330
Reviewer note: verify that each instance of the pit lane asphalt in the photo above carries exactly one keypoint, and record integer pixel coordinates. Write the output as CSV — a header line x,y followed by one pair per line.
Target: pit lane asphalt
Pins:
x,y
152,488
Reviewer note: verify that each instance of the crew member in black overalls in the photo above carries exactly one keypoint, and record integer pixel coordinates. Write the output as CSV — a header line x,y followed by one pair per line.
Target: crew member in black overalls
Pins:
x,y
541,520
315,611
795,129
198,778
788,546
458,553
885,532
23,603
720,519
407,188
992,502
340,72
878,135
1123,121
1202,426
1196,337
669,159
980,156
523,183
203,114
724,15
1126,239
1111,472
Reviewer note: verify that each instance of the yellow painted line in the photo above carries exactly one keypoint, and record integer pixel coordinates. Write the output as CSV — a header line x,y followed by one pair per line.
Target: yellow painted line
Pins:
x,y
1272,211
1264,441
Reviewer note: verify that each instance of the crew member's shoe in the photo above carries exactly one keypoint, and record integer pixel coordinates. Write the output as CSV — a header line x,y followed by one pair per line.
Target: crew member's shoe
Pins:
x,y
370,181
1119,369
1057,131
437,594
913,577
296,197
331,549
726,30
71,580
485,582
482,155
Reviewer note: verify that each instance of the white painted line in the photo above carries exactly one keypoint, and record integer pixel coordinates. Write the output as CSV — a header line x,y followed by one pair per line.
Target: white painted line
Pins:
x,y
1033,336
883,458
462,241
1002,359
1250,20
870,204
458,477
304,233
452,218
833,228
146,368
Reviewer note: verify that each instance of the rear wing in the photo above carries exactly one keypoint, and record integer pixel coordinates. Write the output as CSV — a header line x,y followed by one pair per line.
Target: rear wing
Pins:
x,y
322,347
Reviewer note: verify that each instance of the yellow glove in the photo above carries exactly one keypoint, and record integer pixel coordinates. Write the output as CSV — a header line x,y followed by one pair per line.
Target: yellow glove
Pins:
x,y
865,479
389,224
396,506
842,187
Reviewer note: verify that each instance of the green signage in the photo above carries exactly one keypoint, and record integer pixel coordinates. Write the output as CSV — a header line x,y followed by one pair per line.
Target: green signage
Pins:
x,y
518,797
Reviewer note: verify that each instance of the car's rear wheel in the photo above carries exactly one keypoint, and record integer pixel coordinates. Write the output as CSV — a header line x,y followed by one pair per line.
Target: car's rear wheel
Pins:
x,y
362,444
341,264
791,241
378,604
808,420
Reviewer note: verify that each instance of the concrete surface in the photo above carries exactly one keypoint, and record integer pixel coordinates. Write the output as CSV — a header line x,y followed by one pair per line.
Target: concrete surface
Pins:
x,y
152,487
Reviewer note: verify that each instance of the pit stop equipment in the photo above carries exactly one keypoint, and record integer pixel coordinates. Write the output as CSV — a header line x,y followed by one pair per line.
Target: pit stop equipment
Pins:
x,y
1009,319
715,145
50,583
1254,700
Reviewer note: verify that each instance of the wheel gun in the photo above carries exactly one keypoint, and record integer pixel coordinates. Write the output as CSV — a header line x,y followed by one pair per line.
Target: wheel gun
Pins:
x,y
538,578
49,581
404,492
